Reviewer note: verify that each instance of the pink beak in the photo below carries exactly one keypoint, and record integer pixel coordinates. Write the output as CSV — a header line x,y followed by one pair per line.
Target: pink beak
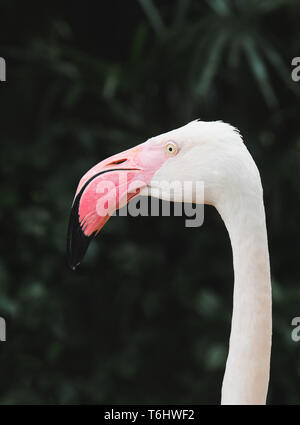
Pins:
x,y
105,188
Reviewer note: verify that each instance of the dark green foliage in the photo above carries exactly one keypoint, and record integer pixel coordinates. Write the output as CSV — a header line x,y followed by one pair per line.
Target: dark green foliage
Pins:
x,y
146,318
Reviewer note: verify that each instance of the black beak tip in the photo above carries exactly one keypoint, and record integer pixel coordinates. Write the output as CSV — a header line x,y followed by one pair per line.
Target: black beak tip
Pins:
x,y
72,261
71,265
77,245
77,241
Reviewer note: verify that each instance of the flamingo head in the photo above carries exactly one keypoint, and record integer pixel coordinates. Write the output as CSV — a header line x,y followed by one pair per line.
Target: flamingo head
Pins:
x,y
198,151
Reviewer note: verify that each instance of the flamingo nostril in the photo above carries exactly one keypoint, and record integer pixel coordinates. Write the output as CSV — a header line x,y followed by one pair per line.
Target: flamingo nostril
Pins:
x,y
117,162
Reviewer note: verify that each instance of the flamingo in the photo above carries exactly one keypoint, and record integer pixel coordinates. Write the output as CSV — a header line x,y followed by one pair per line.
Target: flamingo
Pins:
x,y
214,153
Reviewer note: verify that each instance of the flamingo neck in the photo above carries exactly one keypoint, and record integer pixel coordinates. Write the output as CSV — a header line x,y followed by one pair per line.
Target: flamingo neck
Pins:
x,y
247,368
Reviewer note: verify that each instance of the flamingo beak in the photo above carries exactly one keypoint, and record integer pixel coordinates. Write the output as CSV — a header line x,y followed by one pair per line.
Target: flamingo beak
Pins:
x,y
108,186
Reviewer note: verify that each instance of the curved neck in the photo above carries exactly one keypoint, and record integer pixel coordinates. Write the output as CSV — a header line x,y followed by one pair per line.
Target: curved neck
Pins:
x,y
247,368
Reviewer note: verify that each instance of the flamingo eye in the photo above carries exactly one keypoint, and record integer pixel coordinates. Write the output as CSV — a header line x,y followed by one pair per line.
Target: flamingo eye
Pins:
x,y
171,148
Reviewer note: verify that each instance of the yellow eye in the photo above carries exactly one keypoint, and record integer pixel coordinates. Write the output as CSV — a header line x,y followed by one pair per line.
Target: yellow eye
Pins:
x,y
171,148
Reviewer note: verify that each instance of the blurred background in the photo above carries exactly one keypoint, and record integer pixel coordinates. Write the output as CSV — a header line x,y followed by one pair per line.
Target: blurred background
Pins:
x,y
146,318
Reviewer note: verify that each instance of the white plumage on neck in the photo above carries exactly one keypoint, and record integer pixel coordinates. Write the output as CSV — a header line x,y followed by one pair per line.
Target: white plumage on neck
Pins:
x,y
247,369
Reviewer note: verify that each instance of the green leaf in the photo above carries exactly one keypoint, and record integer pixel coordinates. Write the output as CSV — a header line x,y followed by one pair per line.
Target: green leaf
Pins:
x,y
154,16
260,72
